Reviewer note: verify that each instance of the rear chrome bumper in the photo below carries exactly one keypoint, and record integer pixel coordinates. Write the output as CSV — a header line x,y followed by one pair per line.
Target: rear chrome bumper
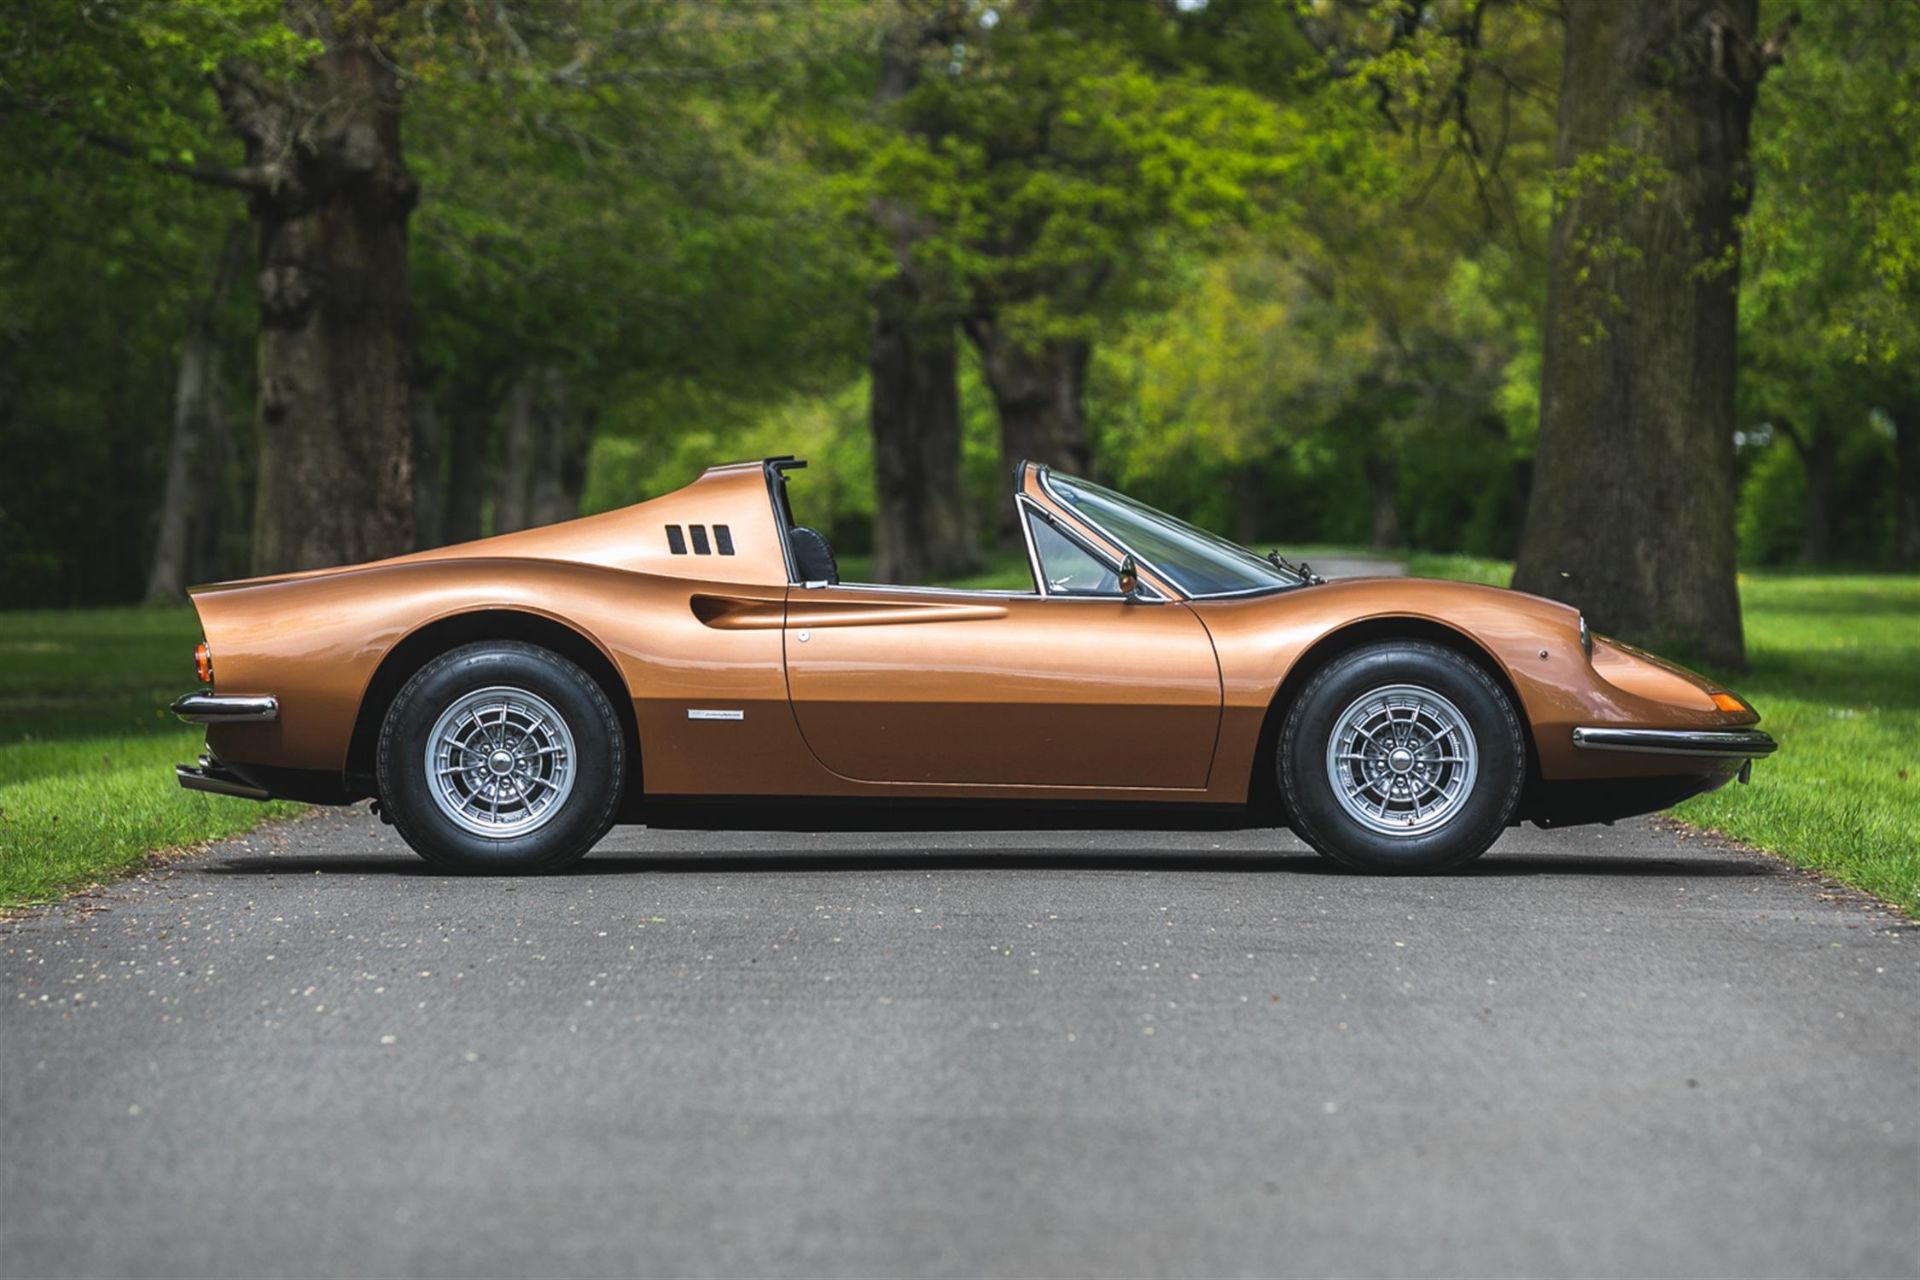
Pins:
x,y
210,708
1717,744
211,775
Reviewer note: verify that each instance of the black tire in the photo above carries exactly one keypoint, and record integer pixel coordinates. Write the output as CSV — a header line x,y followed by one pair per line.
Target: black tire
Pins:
x,y
577,820
1476,820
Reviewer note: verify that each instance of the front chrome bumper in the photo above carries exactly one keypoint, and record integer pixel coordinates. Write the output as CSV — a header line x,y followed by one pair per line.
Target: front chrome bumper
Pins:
x,y
1717,744
210,708
211,775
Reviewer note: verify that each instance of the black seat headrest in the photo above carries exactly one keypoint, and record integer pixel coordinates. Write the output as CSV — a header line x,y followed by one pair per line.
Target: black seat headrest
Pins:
x,y
812,557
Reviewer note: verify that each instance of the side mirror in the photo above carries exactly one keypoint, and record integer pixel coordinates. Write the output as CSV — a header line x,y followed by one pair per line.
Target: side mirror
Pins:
x,y
1129,579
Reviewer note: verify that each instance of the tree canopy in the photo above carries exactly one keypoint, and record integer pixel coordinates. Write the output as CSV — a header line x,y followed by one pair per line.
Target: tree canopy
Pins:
x,y
1282,266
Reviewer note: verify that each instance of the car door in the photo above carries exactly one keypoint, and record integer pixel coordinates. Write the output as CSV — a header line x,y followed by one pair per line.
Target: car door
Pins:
x,y
919,685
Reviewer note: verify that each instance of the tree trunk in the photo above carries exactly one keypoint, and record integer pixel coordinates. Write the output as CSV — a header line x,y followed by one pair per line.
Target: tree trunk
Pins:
x,y
542,464
1039,392
336,306
1632,511
1906,497
923,521
1249,505
429,480
923,525
467,417
210,554
513,459
1820,460
563,437
195,456
1383,492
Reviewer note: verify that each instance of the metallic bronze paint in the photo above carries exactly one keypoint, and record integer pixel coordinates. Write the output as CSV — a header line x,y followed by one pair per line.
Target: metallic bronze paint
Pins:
x,y
869,691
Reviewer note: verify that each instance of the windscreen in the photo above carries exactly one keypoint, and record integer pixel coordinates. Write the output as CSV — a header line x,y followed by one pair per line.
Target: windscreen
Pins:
x,y
1198,562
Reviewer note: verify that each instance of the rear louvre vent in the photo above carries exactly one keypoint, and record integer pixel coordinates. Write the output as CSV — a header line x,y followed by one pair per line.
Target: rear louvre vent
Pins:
x,y
723,539
700,547
676,541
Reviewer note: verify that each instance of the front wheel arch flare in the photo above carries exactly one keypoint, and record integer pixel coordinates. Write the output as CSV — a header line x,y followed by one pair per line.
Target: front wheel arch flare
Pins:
x,y
1264,789
420,647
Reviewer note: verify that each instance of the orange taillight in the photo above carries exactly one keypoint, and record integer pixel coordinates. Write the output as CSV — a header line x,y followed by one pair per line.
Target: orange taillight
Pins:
x,y
203,662
1727,702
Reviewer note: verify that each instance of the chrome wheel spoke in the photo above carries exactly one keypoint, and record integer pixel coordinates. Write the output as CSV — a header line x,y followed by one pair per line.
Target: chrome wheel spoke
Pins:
x,y
499,762
1402,760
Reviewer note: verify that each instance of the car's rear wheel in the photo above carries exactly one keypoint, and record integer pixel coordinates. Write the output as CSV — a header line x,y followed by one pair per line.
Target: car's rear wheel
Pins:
x,y
501,757
1401,756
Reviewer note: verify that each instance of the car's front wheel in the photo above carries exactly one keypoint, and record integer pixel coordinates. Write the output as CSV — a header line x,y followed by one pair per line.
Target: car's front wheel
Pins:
x,y
1401,756
501,757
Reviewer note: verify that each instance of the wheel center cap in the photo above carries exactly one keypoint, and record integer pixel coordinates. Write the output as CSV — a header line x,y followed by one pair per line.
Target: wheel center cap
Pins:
x,y
1400,760
501,762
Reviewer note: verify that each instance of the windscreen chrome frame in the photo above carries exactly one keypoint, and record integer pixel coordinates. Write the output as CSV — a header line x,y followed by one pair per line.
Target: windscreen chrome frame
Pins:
x,y
1180,593
1028,509
775,470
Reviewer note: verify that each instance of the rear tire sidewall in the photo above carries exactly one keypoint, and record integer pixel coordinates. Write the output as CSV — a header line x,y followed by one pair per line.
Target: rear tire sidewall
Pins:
x,y
1316,811
599,759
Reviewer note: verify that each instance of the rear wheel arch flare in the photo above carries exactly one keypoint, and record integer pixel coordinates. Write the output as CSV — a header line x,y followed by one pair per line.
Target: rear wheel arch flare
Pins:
x,y
421,646
1353,636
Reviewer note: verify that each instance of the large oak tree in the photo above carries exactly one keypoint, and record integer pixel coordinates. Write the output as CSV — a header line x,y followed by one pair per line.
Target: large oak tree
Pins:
x,y
1631,516
330,193
923,523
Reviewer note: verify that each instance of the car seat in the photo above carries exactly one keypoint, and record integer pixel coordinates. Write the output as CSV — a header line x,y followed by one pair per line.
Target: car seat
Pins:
x,y
812,556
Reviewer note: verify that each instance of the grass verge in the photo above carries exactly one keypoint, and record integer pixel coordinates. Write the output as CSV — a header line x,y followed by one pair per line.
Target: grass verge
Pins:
x,y
87,749
1836,678
1000,571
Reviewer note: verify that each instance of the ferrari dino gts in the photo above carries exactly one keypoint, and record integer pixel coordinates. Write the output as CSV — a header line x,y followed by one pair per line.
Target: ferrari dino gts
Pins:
x,y
695,661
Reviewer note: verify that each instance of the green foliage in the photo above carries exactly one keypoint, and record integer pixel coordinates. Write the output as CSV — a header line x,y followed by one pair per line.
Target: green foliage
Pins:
x,y
1830,303
1057,154
1834,238
1306,240
1773,498
103,244
834,494
87,748
582,209
1773,495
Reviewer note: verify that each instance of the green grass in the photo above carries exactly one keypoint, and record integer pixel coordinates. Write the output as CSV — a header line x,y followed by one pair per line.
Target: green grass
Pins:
x,y
87,748
1426,564
1003,571
1836,678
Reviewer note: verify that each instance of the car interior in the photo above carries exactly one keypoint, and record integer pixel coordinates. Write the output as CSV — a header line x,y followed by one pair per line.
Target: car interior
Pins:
x,y
1070,566
812,555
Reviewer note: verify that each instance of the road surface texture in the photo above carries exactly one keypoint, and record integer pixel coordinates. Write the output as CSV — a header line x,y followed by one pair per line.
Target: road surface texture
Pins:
x,y
1603,1052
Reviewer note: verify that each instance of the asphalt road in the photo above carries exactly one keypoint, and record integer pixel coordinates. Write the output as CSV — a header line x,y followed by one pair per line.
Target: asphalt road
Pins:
x,y
1605,1052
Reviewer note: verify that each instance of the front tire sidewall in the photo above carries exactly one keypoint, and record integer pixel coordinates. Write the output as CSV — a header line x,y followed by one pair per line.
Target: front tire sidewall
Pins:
x,y
599,750
1317,813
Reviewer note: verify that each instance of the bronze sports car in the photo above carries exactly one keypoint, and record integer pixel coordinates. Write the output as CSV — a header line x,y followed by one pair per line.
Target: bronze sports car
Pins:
x,y
695,661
